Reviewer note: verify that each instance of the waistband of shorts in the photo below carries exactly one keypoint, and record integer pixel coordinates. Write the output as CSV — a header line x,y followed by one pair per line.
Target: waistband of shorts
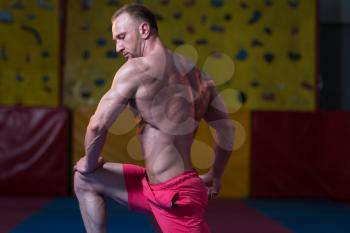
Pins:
x,y
174,181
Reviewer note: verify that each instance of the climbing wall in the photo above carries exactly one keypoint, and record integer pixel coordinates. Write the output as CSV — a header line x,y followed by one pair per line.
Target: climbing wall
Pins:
x,y
260,53
29,48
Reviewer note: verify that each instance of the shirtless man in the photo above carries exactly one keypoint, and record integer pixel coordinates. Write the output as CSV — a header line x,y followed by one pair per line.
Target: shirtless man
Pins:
x,y
169,96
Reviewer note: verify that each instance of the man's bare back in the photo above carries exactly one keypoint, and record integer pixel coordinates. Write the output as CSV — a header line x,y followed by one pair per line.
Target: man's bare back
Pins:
x,y
171,99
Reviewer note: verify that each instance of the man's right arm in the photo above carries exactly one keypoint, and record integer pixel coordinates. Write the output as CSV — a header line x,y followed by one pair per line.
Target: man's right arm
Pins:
x,y
108,109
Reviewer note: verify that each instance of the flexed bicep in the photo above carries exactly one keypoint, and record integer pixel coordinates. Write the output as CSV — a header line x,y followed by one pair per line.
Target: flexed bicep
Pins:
x,y
116,99
109,108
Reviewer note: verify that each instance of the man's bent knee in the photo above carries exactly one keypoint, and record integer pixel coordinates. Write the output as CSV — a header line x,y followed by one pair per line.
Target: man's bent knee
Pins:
x,y
81,183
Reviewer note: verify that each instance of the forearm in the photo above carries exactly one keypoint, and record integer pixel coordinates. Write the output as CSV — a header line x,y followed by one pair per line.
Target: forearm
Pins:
x,y
223,150
221,159
94,141
108,109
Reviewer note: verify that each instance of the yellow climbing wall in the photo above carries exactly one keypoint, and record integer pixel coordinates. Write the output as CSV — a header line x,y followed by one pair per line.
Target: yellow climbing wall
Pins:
x,y
260,53
29,53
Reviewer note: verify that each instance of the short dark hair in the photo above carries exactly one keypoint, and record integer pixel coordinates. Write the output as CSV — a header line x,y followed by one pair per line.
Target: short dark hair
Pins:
x,y
137,11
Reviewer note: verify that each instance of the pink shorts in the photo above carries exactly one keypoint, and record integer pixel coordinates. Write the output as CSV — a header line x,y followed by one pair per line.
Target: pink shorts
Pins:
x,y
178,204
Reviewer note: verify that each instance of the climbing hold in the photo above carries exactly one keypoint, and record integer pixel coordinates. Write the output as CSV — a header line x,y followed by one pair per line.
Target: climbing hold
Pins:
x,y
31,16
204,19
217,28
293,3
28,58
164,2
255,83
256,43
32,31
242,97
255,17
268,56
113,2
177,15
268,31
244,5
294,31
86,4
242,55
6,17
307,86
178,41
45,78
159,17
191,29
294,56
47,89
111,54
3,54
201,41
268,96
190,3
85,54
18,5
268,3
86,94
228,17
217,3
19,77
101,42
100,82
45,53
43,4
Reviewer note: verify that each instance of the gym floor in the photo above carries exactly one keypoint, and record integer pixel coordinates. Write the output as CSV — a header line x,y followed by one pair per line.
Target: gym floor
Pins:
x,y
61,215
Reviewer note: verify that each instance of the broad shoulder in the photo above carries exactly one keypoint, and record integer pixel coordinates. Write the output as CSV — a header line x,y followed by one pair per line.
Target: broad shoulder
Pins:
x,y
131,72
135,66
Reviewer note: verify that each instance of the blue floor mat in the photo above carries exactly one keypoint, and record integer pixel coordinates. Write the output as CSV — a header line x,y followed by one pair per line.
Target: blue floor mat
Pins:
x,y
62,216
299,216
306,216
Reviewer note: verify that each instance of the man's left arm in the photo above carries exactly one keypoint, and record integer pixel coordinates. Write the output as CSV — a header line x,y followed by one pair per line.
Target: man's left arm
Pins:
x,y
108,109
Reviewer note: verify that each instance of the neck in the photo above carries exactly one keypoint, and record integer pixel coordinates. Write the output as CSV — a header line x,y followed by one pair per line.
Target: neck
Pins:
x,y
152,45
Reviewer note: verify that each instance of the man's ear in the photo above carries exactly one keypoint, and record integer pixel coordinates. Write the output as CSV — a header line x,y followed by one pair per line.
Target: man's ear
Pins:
x,y
145,30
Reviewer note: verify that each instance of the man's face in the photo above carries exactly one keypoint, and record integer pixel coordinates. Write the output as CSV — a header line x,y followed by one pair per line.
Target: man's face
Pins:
x,y
125,31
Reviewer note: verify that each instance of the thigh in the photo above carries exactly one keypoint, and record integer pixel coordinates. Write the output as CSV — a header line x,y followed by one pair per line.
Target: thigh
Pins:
x,y
108,181
121,182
